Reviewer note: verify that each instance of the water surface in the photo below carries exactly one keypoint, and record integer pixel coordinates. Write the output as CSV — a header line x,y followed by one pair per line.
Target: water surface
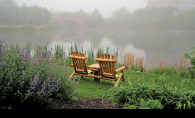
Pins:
x,y
167,44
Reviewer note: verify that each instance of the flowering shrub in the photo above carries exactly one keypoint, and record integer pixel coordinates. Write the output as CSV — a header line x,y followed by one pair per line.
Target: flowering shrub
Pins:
x,y
23,77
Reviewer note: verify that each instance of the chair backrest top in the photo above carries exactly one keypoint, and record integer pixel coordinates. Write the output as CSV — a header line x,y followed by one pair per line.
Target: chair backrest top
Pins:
x,y
78,55
107,63
78,61
106,58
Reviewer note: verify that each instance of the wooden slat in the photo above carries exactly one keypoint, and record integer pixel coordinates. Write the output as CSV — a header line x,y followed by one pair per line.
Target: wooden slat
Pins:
x,y
109,74
78,61
73,60
118,80
77,57
106,60
82,70
109,79
100,64
120,69
95,76
83,62
109,64
72,75
113,66
106,64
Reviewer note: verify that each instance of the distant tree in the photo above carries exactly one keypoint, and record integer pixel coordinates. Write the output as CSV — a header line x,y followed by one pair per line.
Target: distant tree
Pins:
x,y
13,14
37,15
121,17
10,9
96,19
185,20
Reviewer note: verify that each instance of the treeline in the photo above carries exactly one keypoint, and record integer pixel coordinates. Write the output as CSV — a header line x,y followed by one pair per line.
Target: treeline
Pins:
x,y
146,18
11,13
158,18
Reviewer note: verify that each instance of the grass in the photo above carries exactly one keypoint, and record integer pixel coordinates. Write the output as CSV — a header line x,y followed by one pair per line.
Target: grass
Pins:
x,y
88,88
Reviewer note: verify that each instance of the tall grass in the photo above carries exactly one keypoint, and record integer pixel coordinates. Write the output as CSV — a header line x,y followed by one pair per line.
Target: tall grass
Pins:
x,y
132,61
178,68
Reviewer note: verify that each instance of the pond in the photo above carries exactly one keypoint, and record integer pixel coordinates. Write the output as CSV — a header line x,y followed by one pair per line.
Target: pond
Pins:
x,y
166,44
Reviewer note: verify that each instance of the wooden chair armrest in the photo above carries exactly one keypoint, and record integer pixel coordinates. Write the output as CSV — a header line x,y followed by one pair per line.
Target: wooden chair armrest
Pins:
x,y
121,68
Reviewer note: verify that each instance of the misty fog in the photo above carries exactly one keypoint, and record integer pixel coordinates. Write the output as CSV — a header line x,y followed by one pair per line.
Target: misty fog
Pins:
x,y
132,26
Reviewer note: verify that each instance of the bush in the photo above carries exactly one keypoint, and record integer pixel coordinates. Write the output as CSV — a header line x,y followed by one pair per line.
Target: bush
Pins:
x,y
25,80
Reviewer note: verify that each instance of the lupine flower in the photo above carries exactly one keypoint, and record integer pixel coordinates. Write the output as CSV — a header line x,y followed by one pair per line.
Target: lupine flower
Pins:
x,y
28,91
77,84
5,63
34,88
74,79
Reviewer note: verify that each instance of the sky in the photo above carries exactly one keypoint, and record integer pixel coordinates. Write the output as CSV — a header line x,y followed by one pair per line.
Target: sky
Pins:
x,y
106,7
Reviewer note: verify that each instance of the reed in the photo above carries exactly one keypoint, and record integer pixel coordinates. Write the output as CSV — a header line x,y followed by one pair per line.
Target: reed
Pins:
x,y
181,63
132,61
129,60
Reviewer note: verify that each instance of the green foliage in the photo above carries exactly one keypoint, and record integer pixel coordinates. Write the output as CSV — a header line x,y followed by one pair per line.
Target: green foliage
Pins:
x,y
150,104
25,79
191,70
142,95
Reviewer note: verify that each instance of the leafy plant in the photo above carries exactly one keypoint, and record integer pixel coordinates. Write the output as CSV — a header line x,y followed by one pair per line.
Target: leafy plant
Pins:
x,y
150,104
191,70
25,79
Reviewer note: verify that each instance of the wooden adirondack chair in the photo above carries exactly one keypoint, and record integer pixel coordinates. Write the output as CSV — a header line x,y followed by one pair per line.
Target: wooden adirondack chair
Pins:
x,y
107,68
79,64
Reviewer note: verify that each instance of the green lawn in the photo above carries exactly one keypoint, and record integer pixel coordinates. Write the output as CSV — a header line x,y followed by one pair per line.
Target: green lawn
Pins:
x,y
87,88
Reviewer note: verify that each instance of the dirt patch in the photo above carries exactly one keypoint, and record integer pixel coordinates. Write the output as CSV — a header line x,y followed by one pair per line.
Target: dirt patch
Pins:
x,y
88,103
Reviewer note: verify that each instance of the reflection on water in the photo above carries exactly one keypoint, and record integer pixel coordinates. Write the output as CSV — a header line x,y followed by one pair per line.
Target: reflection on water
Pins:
x,y
168,45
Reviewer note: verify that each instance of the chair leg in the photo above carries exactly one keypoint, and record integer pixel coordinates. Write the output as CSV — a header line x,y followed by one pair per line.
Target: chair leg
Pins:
x,y
118,80
72,75
123,78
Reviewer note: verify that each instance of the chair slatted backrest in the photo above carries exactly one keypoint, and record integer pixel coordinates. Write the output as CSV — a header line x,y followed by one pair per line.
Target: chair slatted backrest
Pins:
x,y
107,64
79,61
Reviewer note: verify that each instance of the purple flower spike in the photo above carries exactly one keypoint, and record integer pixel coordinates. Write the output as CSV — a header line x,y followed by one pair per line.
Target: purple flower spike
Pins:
x,y
34,88
28,91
